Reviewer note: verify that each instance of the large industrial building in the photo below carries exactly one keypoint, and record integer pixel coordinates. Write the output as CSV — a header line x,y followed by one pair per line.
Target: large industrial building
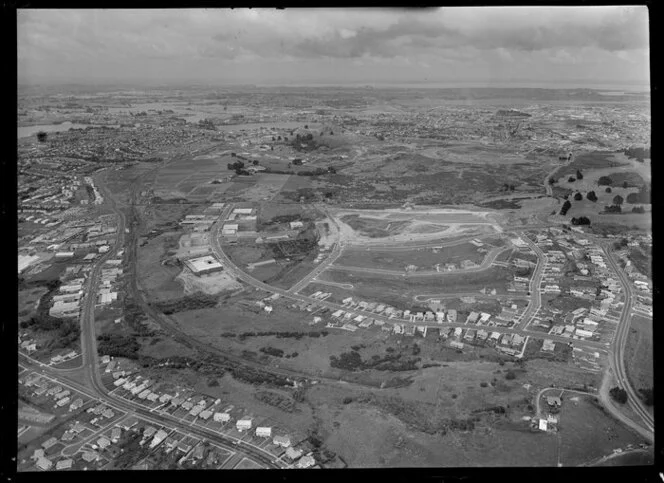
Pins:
x,y
204,265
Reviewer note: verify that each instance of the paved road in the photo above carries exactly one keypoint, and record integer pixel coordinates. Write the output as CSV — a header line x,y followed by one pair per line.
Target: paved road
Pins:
x,y
92,377
536,279
617,358
235,271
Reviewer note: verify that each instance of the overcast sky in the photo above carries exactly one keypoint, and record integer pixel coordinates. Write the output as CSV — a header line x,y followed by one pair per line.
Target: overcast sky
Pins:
x,y
551,45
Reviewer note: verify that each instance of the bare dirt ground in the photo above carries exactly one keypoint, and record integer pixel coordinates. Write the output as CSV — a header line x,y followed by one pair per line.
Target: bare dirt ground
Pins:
x,y
211,284
420,224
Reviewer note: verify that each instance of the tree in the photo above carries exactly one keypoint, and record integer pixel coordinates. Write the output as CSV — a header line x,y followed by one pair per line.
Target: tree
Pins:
x,y
613,209
578,196
565,208
309,137
255,162
591,196
625,185
618,395
604,181
233,155
571,179
510,374
332,170
552,181
306,126
608,189
579,175
278,138
273,138
331,133
321,133
581,220
41,136
618,200
638,209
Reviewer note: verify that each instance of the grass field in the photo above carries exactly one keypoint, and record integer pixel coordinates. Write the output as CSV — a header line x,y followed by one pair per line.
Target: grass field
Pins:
x,y
639,353
587,431
424,258
395,290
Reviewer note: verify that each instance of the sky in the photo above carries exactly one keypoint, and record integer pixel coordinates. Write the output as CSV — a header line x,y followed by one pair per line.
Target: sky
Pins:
x,y
485,45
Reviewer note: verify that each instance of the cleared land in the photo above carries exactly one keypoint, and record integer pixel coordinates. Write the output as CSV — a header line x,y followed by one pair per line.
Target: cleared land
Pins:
x,y
398,289
424,258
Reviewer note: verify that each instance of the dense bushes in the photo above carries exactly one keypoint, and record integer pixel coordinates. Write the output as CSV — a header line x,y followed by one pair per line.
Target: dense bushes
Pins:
x,y
279,335
192,302
565,208
581,220
118,346
272,351
352,361
619,395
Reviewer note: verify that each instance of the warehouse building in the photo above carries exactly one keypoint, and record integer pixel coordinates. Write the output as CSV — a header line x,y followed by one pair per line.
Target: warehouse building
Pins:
x,y
204,265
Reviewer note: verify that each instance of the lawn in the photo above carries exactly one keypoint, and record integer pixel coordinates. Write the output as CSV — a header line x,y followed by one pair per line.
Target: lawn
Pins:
x,y
639,353
398,290
423,258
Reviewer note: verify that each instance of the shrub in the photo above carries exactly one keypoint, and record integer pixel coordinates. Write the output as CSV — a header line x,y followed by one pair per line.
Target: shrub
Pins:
x,y
578,196
618,395
510,374
608,190
571,179
483,384
618,200
592,196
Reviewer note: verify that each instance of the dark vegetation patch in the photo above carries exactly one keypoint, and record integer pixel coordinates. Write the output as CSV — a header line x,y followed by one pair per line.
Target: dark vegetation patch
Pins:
x,y
190,302
276,400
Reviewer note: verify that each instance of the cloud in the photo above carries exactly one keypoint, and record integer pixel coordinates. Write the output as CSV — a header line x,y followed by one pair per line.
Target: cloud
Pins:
x,y
208,39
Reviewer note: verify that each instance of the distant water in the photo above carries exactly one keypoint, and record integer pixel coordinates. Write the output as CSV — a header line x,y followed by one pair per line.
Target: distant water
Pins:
x,y
27,131
484,85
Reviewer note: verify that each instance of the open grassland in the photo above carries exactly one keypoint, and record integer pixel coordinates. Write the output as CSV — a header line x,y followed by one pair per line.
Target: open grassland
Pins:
x,y
460,414
423,258
395,289
587,431
639,353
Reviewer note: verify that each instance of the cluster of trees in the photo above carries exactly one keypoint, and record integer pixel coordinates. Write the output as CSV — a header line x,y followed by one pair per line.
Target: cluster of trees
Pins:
x,y
115,345
352,361
279,335
507,187
638,209
581,220
605,181
619,395
192,302
273,351
565,208
236,166
613,209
